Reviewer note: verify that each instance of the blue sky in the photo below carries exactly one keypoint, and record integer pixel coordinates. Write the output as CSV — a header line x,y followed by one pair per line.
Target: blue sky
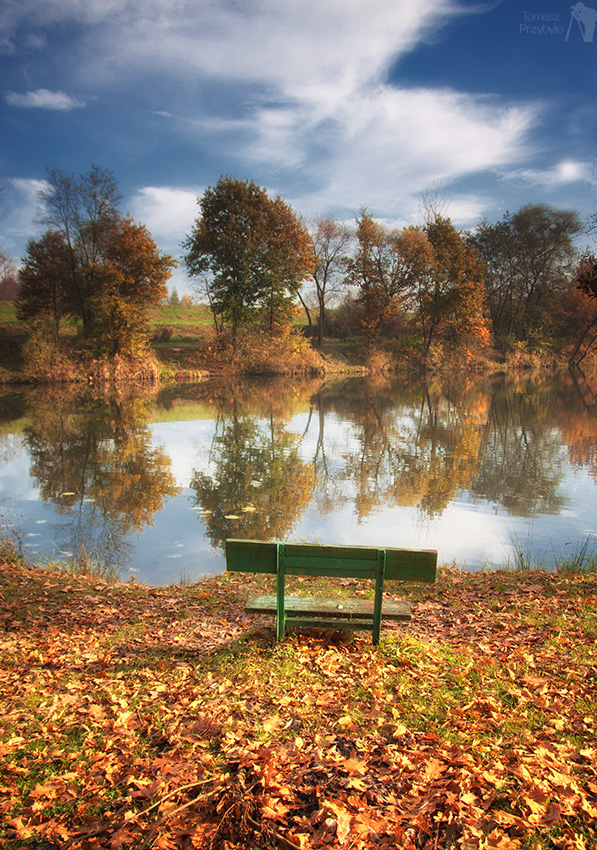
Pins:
x,y
333,104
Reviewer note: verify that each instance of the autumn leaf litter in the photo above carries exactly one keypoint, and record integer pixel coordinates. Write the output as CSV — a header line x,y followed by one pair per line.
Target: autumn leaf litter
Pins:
x,y
167,717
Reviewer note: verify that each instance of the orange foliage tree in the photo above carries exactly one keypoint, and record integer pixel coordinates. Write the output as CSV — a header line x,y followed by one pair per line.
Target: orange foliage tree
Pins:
x,y
378,272
93,265
586,303
133,276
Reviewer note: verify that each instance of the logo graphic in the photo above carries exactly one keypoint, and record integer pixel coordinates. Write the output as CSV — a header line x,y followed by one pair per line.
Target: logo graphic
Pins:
x,y
585,18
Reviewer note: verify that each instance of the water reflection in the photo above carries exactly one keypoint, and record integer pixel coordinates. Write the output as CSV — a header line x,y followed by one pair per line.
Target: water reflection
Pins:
x,y
346,461
259,485
95,461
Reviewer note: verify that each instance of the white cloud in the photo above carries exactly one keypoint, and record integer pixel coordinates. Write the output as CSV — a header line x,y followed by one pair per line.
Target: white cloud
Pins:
x,y
295,93
20,215
384,145
563,172
168,212
43,99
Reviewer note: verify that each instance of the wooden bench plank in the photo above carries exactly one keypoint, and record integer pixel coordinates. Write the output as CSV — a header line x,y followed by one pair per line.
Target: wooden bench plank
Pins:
x,y
310,559
314,606
260,556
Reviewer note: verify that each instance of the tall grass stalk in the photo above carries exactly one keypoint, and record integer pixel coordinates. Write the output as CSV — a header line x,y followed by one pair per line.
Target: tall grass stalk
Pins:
x,y
581,560
522,558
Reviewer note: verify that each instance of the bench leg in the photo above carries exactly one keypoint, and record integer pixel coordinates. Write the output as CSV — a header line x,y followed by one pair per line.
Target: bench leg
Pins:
x,y
377,605
281,613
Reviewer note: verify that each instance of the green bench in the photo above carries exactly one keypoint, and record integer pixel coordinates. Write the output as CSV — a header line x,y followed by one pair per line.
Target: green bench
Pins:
x,y
307,559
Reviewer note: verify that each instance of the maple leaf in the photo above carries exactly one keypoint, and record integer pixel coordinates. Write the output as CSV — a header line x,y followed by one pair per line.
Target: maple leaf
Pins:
x,y
47,791
497,840
354,766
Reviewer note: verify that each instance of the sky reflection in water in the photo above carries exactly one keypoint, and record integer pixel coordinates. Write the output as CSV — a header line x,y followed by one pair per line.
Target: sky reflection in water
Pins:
x,y
156,485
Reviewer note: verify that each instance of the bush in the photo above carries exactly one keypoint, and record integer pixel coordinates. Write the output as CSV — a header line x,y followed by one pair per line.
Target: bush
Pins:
x,y
44,359
259,353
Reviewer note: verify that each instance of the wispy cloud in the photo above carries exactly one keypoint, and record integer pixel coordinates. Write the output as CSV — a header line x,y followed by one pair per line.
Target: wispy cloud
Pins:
x,y
297,95
43,99
564,172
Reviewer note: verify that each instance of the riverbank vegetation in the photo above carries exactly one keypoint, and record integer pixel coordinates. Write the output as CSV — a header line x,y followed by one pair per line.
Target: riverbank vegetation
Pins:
x,y
282,296
165,717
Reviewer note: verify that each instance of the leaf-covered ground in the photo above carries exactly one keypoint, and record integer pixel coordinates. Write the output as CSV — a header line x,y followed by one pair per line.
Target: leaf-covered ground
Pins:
x,y
166,717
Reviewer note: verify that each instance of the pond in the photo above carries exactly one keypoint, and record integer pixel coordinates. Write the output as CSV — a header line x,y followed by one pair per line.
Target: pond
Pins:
x,y
490,474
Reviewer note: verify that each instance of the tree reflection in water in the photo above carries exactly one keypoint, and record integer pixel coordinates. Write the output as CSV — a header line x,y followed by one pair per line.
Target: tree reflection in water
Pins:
x,y
258,484
309,460
95,460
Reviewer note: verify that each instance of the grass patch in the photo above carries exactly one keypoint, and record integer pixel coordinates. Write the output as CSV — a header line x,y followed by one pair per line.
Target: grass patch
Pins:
x,y
181,316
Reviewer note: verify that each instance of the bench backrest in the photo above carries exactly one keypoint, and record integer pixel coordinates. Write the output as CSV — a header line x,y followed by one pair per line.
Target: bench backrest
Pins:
x,y
311,559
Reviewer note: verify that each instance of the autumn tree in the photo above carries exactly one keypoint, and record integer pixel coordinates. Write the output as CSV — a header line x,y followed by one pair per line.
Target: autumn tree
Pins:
x,y
92,264
585,301
377,271
251,254
331,242
442,281
450,301
42,290
529,257
84,210
132,277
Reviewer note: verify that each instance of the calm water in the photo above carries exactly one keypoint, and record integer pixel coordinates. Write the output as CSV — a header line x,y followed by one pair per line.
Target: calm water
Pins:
x,y
155,485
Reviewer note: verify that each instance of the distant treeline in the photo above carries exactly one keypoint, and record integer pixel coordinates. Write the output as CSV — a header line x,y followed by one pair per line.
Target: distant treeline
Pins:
x,y
421,292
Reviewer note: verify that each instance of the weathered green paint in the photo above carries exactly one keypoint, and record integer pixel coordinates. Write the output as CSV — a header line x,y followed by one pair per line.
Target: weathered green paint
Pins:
x,y
258,556
338,609
309,559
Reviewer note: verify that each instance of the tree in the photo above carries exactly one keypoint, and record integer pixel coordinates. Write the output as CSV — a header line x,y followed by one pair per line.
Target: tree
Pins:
x,y
84,209
251,252
452,302
529,256
586,302
42,290
443,282
93,265
132,277
378,271
331,240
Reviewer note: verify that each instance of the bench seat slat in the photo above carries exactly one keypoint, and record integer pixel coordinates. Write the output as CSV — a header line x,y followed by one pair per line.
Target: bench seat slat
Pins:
x,y
313,606
317,623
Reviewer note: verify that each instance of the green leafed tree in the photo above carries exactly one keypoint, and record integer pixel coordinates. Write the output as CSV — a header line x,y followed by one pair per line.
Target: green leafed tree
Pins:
x,y
530,259
251,254
44,279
